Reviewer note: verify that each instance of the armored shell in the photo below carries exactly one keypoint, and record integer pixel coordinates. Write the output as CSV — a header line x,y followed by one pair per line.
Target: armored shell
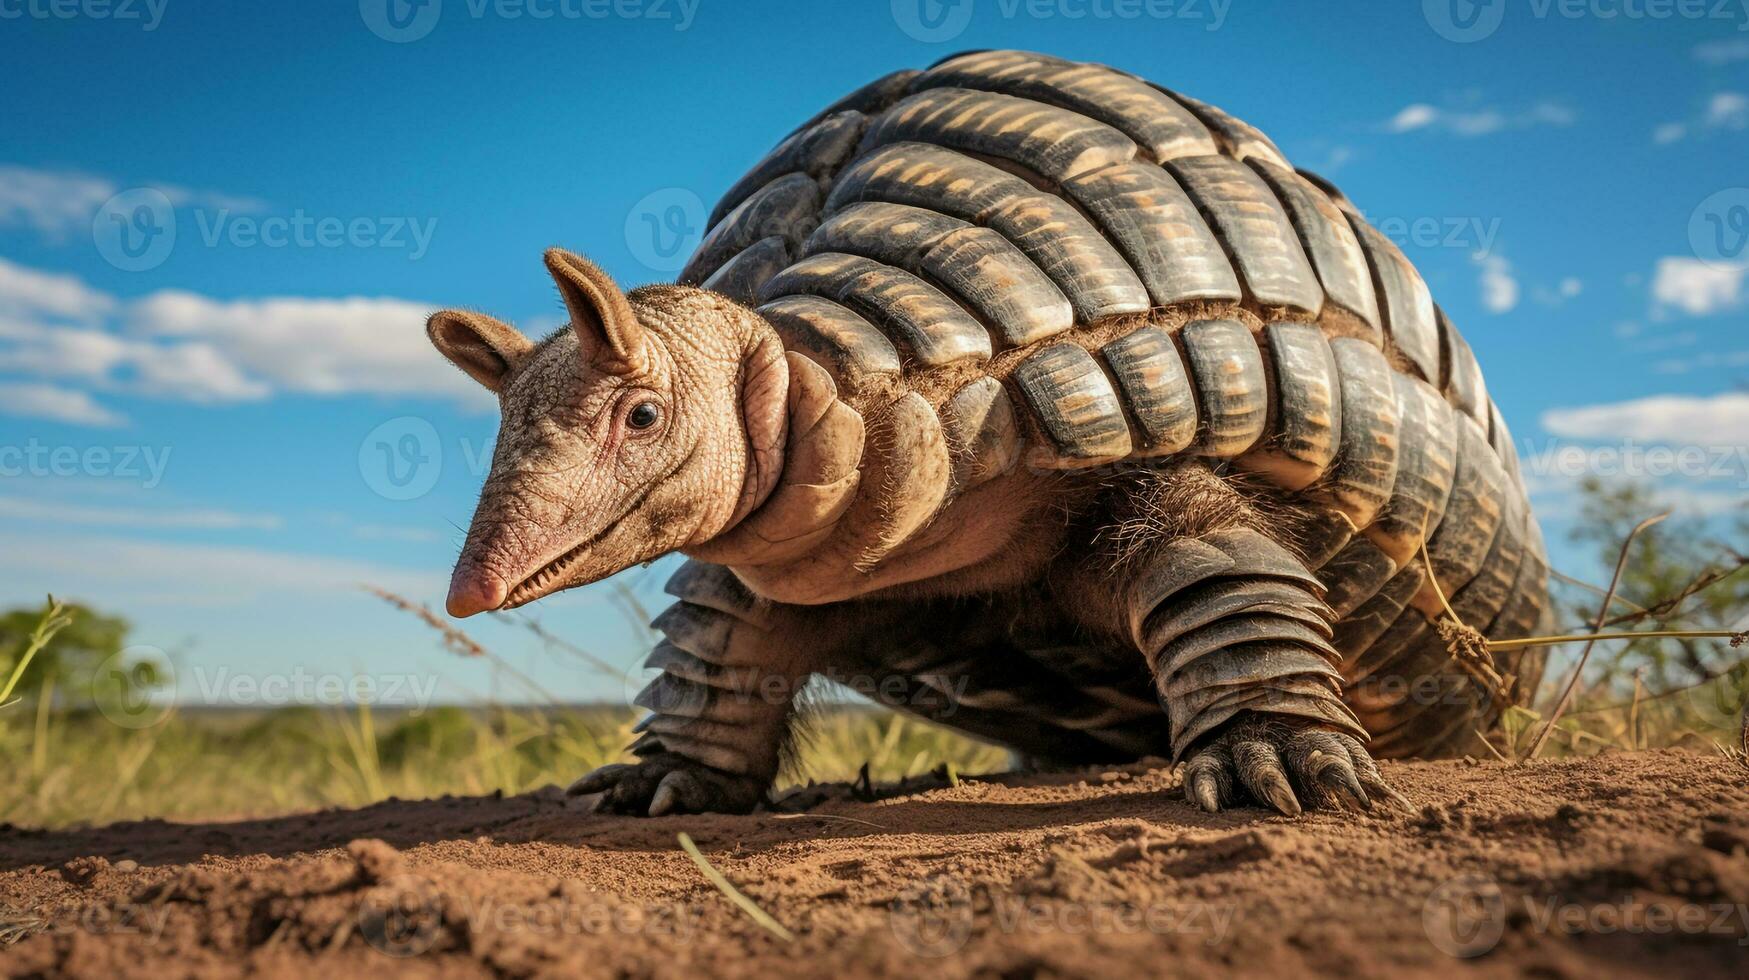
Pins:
x,y
1026,262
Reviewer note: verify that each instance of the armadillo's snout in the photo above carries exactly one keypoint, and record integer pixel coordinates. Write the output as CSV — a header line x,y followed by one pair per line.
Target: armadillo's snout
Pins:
x,y
473,589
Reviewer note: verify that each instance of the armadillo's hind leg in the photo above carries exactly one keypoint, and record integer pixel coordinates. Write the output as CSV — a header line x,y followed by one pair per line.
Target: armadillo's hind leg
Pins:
x,y
1237,634
720,710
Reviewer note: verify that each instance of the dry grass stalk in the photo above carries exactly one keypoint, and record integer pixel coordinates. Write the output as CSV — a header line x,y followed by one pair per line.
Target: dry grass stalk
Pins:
x,y
1469,648
732,893
453,639
1621,565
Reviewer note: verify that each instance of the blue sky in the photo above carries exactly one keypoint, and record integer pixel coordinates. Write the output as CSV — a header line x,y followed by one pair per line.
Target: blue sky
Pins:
x,y
220,435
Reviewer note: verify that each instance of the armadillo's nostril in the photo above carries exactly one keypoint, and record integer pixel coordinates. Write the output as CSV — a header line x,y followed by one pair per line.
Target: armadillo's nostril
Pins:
x,y
474,590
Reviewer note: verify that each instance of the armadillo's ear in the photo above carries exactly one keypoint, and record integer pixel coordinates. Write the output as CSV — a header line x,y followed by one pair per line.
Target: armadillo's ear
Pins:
x,y
607,330
487,349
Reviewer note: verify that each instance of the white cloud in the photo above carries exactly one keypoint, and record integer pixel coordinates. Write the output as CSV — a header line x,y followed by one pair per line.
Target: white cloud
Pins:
x,y
1412,117
1695,287
315,346
57,404
1727,110
180,345
1470,122
1559,497
1722,52
1722,419
1669,133
1558,294
389,532
50,202
1724,110
64,513
123,570
27,293
1499,288
57,203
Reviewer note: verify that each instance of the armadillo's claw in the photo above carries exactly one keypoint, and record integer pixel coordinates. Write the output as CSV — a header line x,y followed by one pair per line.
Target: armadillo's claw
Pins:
x,y
1370,778
665,783
1207,778
1260,772
676,791
1272,758
598,781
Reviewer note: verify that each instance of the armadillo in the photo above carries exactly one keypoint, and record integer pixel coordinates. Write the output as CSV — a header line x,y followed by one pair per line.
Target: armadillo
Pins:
x,y
1046,403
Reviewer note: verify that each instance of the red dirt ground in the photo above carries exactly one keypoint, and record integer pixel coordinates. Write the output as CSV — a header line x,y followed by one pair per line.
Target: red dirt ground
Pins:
x,y
1622,865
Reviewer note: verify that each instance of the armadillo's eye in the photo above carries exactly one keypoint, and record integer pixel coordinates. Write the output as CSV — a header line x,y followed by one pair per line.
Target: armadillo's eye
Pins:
x,y
644,415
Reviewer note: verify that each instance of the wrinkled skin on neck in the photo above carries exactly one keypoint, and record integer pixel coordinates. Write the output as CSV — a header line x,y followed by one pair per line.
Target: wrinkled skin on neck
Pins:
x,y
618,446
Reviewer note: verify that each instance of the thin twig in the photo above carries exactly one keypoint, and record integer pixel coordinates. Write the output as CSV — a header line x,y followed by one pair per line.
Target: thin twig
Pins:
x,y
1648,699
552,640
457,641
1663,608
453,638
1634,711
1621,565
1549,641
1489,745
732,893
1597,590
831,816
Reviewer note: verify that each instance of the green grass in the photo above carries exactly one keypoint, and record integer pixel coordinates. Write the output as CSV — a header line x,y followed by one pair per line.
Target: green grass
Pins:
x,y
70,768
76,767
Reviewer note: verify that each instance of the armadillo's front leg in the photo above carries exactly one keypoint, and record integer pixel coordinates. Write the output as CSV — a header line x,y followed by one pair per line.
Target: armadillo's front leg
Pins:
x,y
720,711
1237,634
